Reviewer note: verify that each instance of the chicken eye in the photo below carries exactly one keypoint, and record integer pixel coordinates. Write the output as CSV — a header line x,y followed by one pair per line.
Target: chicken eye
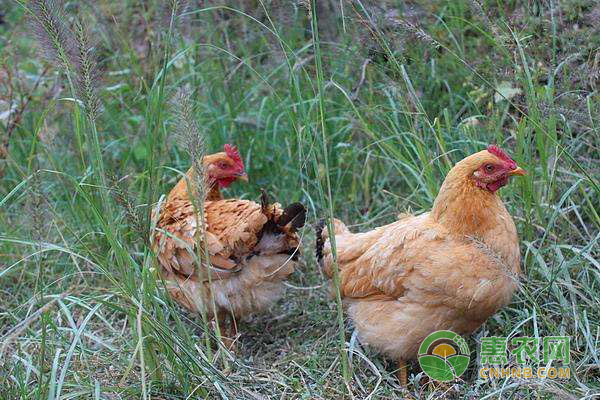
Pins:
x,y
223,165
489,168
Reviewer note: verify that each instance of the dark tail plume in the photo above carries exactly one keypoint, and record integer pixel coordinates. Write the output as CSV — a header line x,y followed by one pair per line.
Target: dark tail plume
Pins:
x,y
264,200
320,242
295,215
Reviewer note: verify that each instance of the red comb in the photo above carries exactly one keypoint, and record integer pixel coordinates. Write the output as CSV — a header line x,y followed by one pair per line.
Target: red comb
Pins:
x,y
232,152
498,152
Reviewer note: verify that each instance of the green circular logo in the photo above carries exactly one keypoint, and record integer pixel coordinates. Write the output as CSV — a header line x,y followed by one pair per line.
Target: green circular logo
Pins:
x,y
444,356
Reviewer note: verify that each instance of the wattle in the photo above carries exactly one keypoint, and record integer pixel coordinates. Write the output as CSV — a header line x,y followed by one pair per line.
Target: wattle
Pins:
x,y
493,186
224,182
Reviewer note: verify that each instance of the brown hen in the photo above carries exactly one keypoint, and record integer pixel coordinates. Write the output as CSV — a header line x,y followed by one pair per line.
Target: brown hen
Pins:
x,y
241,256
448,269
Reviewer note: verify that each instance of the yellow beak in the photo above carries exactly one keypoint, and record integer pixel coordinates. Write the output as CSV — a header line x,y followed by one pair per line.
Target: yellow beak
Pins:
x,y
519,171
243,176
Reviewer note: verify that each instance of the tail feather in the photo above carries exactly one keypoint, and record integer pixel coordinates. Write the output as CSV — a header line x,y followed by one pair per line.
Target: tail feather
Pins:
x,y
294,215
320,241
264,201
339,228
278,234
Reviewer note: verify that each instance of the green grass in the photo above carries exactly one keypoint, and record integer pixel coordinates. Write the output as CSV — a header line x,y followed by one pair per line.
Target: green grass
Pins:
x,y
83,314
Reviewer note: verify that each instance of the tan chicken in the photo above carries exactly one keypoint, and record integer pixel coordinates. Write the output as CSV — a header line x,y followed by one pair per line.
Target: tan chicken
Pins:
x,y
251,247
447,269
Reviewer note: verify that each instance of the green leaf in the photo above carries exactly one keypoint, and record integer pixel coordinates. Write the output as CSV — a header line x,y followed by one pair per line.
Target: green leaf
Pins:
x,y
436,368
140,153
459,363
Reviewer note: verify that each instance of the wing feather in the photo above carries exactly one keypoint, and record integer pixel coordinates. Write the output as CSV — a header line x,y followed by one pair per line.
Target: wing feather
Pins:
x,y
375,264
233,228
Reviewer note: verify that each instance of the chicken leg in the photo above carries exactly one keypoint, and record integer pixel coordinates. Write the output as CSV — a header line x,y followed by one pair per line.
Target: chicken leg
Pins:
x,y
402,373
227,329
232,333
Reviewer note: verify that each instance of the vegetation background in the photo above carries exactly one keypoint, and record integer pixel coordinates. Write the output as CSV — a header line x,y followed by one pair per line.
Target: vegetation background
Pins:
x,y
356,108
